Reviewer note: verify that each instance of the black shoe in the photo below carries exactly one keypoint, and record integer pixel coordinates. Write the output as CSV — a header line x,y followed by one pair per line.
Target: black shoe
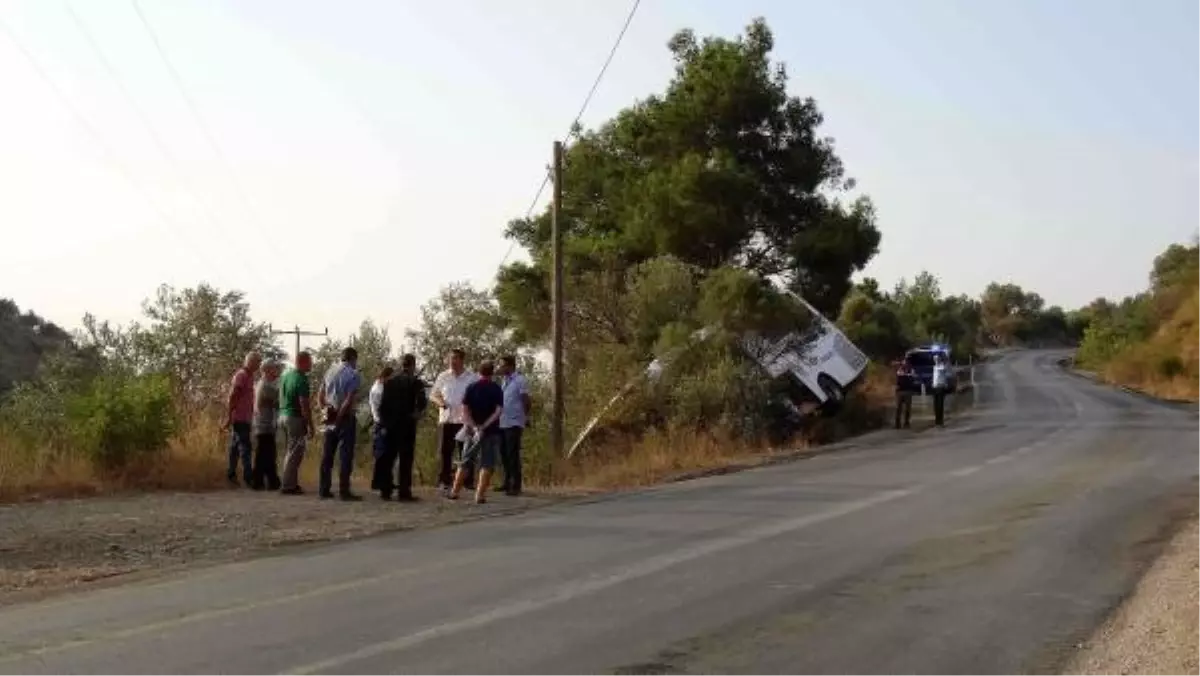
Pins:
x,y
513,492
349,497
273,485
233,482
295,490
386,497
325,495
407,498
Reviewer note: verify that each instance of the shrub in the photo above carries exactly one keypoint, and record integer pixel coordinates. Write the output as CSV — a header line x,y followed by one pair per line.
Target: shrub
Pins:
x,y
120,420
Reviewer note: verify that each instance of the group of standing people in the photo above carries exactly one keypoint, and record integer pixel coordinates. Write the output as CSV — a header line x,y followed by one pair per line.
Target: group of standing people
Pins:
x,y
481,418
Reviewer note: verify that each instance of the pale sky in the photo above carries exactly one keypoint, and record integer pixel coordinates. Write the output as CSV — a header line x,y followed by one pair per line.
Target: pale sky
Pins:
x,y
377,148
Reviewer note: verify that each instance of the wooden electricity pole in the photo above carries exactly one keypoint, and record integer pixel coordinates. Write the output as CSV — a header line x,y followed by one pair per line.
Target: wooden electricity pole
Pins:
x,y
556,298
297,332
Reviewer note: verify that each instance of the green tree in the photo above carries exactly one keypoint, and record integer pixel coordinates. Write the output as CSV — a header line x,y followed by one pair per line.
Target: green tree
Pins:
x,y
1177,266
196,337
919,304
874,325
26,340
461,316
723,169
1007,312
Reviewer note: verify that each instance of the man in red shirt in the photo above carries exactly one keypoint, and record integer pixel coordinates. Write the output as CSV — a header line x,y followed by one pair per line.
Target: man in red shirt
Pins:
x,y
239,416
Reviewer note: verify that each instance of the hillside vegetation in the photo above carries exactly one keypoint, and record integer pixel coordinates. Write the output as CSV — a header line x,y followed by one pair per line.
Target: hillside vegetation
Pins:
x,y
1149,341
25,339
676,213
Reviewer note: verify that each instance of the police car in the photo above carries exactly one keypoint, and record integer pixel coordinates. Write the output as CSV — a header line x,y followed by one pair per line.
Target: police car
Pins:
x,y
921,360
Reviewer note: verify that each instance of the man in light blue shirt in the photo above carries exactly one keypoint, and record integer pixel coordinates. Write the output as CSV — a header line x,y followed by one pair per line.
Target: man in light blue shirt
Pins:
x,y
514,417
337,399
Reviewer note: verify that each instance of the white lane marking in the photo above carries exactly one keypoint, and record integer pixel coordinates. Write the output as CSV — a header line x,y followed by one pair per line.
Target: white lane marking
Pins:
x,y
575,589
999,459
966,471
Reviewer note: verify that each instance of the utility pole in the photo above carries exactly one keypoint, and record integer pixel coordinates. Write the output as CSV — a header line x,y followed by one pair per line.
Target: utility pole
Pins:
x,y
556,297
297,332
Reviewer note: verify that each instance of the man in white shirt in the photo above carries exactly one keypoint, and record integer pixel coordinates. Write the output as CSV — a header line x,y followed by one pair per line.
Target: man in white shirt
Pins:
x,y
941,383
447,394
513,419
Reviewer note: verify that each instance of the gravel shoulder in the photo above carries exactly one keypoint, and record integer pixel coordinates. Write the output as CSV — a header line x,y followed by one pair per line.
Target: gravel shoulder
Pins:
x,y
1155,631
57,546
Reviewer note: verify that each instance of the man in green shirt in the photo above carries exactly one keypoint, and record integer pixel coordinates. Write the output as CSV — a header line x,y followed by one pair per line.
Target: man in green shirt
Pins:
x,y
296,412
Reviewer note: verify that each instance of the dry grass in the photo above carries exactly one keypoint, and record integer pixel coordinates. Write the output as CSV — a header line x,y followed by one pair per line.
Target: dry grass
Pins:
x,y
1167,365
655,458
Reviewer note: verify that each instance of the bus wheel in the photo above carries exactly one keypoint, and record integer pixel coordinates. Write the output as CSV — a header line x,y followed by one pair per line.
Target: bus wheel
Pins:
x,y
835,396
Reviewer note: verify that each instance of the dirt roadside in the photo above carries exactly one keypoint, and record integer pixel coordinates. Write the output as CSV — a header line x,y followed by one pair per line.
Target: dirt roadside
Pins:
x,y
1156,630
63,545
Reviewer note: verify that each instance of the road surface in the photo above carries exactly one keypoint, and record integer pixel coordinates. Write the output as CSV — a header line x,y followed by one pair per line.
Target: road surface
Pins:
x,y
990,546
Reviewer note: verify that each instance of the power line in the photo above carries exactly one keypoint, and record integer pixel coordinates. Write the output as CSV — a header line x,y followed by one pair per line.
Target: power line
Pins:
x,y
199,119
83,122
157,139
578,116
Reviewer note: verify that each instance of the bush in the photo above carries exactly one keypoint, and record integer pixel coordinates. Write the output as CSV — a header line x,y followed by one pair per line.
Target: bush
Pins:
x,y
118,421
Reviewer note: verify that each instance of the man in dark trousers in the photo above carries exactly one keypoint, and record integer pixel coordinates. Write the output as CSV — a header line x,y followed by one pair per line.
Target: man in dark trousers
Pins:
x,y
513,421
906,384
941,385
400,409
337,398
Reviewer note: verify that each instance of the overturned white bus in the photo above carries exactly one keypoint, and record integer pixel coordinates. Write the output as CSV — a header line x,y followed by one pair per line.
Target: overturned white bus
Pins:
x,y
815,360
812,353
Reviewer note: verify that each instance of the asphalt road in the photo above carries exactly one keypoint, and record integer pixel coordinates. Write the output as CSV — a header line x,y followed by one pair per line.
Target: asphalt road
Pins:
x,y
990,546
